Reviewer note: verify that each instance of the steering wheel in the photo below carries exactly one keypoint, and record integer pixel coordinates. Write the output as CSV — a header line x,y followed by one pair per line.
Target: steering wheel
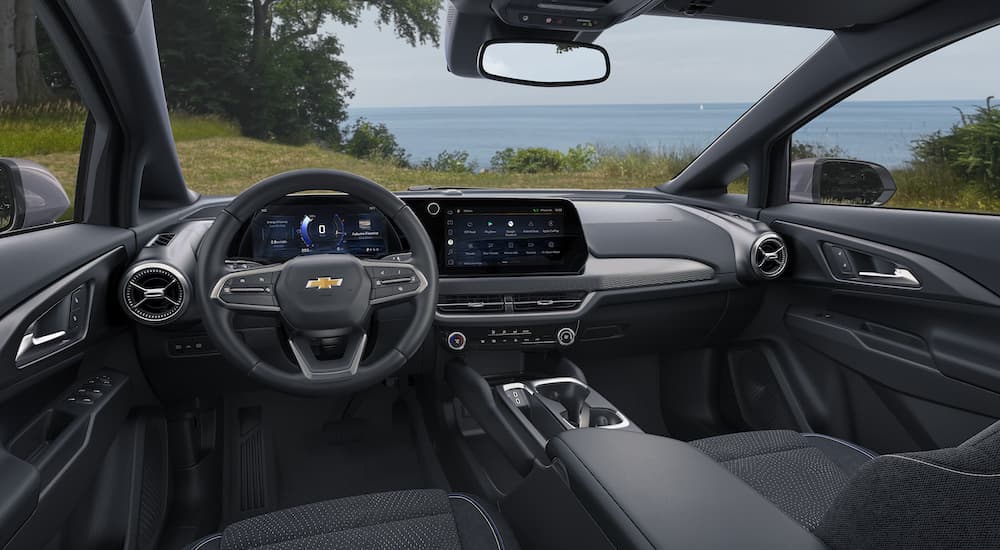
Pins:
x,y
324,300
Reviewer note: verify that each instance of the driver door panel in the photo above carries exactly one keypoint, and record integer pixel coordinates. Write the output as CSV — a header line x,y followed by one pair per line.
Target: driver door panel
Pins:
x,y
64,394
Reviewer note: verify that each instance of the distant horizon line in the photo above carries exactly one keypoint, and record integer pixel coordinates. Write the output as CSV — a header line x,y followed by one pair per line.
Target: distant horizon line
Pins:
x,y
983,100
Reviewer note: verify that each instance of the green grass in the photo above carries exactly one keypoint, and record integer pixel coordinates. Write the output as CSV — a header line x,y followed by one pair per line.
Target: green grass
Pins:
x,y
216,160
27,131
30,130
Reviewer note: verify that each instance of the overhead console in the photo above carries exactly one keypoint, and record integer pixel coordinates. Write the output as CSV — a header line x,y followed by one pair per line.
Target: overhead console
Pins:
x,y
503,237
571,15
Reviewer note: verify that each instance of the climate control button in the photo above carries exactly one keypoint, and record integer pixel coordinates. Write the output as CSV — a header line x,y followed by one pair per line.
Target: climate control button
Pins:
x,y
456,341
566,336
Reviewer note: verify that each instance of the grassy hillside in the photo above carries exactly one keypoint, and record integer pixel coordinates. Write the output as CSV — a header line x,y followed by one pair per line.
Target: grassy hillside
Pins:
x,y
224,165
216,160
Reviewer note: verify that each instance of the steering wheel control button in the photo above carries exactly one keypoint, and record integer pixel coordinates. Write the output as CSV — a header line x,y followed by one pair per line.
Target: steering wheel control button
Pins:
x,y
456,341
249,289
389,282
401,257
566,336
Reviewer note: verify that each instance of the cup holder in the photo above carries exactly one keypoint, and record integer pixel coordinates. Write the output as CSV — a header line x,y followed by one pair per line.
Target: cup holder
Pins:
x,y
605,418
576,404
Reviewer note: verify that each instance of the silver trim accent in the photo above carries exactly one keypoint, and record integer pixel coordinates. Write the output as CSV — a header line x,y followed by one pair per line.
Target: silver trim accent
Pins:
x,y
181,280
532,388
780,256
221,283
572,336
564,314
85,326
900,276
157,236
465,340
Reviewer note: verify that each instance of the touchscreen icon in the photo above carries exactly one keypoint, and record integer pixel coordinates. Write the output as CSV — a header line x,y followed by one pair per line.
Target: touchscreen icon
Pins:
x,y
510,223
364,223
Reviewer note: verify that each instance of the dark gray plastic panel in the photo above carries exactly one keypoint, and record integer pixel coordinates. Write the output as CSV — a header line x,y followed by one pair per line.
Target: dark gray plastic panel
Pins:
x,y
903,364
654,230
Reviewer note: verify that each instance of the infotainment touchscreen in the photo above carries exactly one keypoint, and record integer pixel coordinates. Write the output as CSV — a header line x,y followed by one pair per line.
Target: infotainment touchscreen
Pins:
x,y
283,231
511,237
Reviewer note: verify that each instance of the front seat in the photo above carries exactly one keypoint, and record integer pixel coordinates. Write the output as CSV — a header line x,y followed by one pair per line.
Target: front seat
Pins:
x,y
428,519
802,474
852,499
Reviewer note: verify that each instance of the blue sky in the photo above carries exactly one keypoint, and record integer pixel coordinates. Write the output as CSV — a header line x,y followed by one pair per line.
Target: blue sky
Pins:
x,y
656,60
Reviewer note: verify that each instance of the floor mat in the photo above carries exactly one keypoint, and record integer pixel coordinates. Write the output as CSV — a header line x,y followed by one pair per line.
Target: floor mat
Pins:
x,y
307,450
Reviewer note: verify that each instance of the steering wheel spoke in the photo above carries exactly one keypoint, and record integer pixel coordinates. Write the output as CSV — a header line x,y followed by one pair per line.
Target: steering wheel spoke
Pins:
x,y
348,347
249,290
394,282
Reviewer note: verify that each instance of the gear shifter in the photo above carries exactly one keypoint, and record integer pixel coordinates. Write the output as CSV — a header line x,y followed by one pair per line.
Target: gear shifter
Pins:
x,y
574,398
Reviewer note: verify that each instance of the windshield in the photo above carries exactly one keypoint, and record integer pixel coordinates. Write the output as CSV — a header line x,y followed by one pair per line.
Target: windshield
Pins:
x,y
367,91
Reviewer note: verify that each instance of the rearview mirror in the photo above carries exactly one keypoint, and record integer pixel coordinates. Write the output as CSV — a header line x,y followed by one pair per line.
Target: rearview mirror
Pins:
x,y
29,195
840,181
541,63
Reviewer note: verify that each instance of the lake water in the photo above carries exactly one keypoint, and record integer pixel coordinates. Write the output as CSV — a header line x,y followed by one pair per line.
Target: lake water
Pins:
x,y
878,131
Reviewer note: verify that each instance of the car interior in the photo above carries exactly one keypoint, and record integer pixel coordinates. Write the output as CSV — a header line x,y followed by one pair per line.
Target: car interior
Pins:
x,y
322,363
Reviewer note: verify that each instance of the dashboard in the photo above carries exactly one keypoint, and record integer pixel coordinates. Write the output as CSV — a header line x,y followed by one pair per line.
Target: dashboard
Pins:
x,y
517,270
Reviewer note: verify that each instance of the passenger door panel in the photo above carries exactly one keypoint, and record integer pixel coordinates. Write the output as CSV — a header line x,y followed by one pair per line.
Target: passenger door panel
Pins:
x,y
918,365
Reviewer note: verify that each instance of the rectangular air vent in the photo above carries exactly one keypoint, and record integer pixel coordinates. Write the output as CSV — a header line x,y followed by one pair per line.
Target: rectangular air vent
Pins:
x,y
162,239
479,303
552,301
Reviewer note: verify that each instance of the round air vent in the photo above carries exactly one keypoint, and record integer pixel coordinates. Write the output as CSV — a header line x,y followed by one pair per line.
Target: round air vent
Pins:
x,y
154,293
769,256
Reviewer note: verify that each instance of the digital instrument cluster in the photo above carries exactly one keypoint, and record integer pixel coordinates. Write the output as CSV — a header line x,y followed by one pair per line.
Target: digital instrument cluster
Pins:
x,y
333,225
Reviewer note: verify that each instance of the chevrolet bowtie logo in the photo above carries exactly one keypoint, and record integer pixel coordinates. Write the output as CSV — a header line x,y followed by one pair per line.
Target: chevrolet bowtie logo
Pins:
x,y
324,283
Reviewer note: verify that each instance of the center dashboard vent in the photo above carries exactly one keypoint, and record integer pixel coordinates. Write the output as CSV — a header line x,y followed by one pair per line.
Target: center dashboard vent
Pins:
x,y
154,293
769,256
480,303
557,301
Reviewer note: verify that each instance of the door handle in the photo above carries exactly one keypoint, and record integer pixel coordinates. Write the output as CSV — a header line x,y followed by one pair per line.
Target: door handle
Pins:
x,y
900,276
29,341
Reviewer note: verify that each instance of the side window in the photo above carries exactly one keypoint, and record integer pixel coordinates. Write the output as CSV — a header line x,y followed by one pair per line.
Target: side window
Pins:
x,y
41,124
926,136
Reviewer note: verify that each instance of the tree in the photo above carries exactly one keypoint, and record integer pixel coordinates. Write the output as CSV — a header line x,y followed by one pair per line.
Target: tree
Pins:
x,y
203,46
268,64
375,142
8,53
31,86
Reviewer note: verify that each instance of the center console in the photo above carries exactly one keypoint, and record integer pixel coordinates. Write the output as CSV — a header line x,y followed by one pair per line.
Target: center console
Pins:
x,y
522,413
550,406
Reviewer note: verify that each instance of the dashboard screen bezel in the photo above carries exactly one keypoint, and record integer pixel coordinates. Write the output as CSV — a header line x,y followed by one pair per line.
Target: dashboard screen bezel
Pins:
x,y
574,243
317,201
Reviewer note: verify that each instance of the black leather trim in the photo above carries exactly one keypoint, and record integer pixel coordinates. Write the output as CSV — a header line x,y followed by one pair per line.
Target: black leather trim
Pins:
x,y
647,491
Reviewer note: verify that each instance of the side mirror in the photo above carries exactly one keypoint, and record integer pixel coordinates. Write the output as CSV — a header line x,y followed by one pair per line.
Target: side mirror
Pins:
x,y
544,63
29,195
840,181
